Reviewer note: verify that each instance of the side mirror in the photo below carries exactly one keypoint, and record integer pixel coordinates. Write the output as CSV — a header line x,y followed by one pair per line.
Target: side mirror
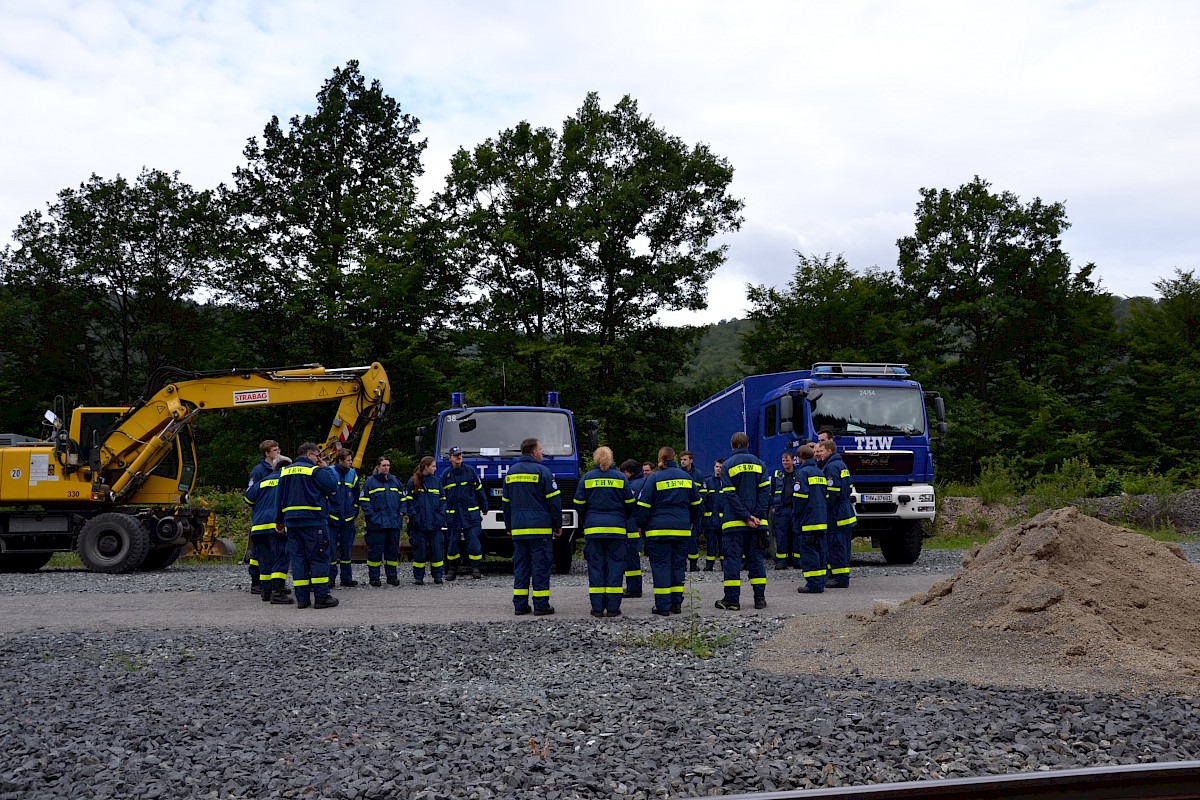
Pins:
x,y
52,419
814,395
939,409
786,410
942,428
419,442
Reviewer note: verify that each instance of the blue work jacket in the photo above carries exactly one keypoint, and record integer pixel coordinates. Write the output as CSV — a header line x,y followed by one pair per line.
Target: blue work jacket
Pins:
x,y
669,503
631,520
841,504
383,502
260,496
304,490
426,505
261,470
811,511
343,506
602,501
532,500
465,497
746,490
714,503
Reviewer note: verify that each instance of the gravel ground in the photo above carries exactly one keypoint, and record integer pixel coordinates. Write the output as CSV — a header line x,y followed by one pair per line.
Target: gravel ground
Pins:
x,y
396,710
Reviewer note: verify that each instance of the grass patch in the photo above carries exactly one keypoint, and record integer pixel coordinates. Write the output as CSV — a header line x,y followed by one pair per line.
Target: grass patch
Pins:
x,y
695,635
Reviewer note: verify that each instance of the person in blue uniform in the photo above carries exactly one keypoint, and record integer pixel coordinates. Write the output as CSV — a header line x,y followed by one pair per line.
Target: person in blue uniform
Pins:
x,y
687,464
714,506
668,504
787,542
426,518
632,471
812,522
746,490
466,503
270,451
532,517
304,487
840,514
343,511
601,502
383,507
270,545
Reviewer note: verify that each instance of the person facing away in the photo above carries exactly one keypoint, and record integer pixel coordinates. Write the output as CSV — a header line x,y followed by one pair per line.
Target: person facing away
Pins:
x,y
668,504
746,490
426,518
602,502
304,489
533,518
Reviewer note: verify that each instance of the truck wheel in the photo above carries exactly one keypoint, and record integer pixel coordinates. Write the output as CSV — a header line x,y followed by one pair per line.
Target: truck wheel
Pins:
x,y
161,558
112,543
564,553
23,562
903,545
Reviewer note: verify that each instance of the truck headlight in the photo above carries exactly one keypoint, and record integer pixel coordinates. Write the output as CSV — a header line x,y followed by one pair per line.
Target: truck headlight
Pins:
x,y
925,498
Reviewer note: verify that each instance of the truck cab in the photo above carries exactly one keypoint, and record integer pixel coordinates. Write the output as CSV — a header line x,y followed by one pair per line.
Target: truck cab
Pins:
x,y
490,438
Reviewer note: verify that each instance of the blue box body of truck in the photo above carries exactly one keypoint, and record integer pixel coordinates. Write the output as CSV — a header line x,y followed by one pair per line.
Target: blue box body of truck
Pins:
x,y
877,415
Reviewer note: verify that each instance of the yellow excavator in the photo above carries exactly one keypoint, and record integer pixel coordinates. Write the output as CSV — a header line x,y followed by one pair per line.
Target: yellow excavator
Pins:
x,y
113,483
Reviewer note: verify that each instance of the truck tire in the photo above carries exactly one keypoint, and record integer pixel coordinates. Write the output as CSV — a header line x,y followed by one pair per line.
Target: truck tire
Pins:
x,y
903,545
113,543
161,558
564,554
23,562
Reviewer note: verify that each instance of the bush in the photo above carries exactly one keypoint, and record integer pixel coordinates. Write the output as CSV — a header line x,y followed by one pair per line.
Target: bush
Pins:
x,y
1071,481
998,480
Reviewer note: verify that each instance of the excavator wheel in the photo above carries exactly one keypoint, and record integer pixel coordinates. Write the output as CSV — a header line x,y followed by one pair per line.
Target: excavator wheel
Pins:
x,y
113,542
161,558
23,562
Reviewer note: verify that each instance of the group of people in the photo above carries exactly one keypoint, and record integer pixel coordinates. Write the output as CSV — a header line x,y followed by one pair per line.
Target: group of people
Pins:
x,y
304,514
306,511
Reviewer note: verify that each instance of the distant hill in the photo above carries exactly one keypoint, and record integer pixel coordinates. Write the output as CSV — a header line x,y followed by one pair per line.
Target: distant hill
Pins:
x,y
718,358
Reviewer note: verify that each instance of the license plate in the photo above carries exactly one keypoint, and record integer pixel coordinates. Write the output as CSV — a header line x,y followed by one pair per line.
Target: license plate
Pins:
x,y
875,498
497,492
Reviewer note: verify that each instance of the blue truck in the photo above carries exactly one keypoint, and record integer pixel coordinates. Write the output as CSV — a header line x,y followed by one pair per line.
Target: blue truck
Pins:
x,y
878,417
490,437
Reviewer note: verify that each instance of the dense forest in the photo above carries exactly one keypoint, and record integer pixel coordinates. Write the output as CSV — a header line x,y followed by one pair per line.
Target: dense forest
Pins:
x,y
541,265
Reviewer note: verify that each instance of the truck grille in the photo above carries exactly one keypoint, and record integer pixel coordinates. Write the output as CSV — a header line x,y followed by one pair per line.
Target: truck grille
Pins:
x,y
878,463
494,488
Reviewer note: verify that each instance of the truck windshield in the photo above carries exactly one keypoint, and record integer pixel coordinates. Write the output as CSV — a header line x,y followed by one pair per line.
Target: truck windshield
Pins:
x,y
499,432
859,410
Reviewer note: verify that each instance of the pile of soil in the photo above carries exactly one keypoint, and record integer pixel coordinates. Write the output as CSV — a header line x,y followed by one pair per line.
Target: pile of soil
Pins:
x,y
1062,600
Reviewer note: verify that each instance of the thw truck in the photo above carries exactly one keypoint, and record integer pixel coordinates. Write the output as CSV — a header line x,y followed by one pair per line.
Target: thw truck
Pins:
x,y
490,438
878,418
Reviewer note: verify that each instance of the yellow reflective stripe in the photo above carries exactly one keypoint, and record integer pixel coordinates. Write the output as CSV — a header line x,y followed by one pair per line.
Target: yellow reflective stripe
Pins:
x,y
695,502
633,534
270,482
590,531
815,573
737,523
663,590
633,573
302,508
374,563
579,502
735,583
531,531
597,590
764,483
817,480
643,505
738,469
541,592
669,532
450,485
522,477
315,581
832,489
555,493
297,470
266,526
615,590
849,521
600,483
757,581
520,592
820,527
845,473
676,484
300,582
728,489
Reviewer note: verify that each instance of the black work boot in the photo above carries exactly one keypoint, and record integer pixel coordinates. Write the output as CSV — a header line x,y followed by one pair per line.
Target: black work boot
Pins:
x,y
692,565
451,574
280,595
325,601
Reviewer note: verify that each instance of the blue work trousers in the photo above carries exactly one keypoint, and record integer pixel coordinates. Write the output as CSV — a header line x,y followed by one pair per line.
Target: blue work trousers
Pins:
x,y
383,550
462,538
310,550
736,544
814,558
532,557
341,537
668,569
839,552
427,552
633,564
787,537
606,569
694,544
712,543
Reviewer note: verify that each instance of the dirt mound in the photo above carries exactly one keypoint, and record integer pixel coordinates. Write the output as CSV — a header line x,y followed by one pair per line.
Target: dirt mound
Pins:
x,y
1060,601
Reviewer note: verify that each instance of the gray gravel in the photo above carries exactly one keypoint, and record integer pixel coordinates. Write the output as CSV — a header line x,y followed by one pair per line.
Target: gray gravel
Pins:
x,y
400,710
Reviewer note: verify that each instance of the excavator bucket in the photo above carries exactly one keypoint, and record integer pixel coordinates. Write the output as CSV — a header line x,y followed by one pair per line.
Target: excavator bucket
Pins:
x,y
211,545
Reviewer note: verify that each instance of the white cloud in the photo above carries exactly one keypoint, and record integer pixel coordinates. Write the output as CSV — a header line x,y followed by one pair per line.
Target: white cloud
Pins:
x,y
834,114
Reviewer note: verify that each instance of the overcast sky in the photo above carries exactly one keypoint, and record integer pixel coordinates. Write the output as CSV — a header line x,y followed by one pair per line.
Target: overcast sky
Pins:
x,y
833,114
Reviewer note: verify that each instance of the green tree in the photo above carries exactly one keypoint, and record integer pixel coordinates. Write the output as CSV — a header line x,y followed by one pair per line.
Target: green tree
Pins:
x,y
115,268
828,312
572,242
314,207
